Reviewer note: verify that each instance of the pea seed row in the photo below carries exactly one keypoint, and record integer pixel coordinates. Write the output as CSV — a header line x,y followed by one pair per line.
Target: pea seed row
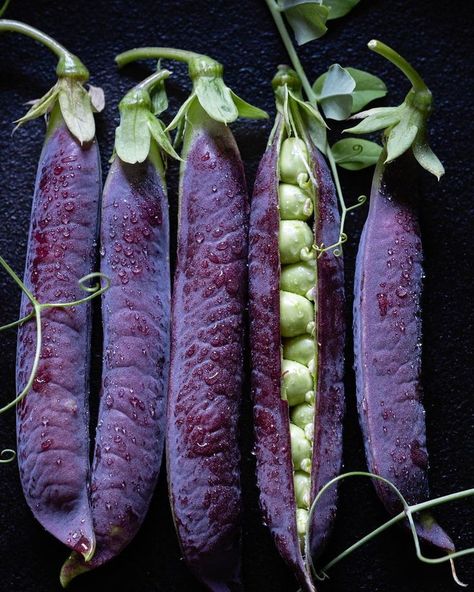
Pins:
x,y
297,307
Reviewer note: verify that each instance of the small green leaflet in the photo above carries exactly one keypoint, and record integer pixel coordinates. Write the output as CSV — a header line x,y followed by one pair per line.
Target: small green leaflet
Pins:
x,y
40,106
338,8
334,93
355,154
306,17
367,88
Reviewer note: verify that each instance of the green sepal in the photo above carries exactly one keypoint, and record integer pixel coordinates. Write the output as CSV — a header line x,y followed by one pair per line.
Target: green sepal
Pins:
x,y
315,124
180,117
40,106
339,8
355,154
76,109
159,98
215,98
376,119
306,17
426,157
246,110
334,92
133,135
161,137
97,97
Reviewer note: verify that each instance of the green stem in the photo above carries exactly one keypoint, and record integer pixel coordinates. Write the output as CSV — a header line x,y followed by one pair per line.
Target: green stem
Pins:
x,y
397,60
152,80
295,60
146,53
16,323
4,7
69,65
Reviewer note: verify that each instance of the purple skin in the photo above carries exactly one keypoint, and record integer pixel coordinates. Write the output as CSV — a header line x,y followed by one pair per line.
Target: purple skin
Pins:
x,y
136,312
52,420
387,338
272,422
207,355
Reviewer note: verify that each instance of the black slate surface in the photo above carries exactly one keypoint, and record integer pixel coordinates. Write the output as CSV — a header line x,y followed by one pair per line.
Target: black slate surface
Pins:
x,y
435,36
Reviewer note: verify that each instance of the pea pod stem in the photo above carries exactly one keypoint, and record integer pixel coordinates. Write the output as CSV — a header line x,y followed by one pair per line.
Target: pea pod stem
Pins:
x,y
406,513
69,65
146,53
397,60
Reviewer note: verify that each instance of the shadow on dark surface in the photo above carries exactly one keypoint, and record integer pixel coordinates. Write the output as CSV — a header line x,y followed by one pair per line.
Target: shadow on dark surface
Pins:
x,y
438,41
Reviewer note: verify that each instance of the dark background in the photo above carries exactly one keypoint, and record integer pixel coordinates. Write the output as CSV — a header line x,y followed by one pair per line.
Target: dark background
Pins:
x,y
437,38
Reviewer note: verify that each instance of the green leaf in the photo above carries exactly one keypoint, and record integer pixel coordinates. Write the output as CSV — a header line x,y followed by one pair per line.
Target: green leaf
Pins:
x,y
40,106
215,98
375,120
338,8
246,109
314,122
133,135
355,154
158,132
76,108
334,92
306,17
426,157
367,88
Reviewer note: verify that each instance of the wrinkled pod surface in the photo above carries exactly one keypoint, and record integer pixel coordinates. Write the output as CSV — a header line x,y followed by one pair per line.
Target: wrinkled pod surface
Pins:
x,y
136,315
207,328
52,420
387,343
297,342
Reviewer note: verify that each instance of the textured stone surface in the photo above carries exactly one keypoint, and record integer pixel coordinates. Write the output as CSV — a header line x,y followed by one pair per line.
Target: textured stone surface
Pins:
x,y
437,40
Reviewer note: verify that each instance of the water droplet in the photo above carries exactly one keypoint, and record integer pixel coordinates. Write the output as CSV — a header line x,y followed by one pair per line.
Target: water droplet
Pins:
x,y
199,237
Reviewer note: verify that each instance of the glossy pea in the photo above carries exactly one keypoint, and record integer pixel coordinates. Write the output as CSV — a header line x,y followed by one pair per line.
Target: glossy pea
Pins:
x,y
302,483
302,516
295,240
300,449
295,203
296,382
296,314
293,156
300,349
299,278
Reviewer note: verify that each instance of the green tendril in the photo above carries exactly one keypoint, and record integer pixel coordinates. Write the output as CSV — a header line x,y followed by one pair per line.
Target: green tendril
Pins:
x,y
336,248
4,7
7,455
406,513
94,291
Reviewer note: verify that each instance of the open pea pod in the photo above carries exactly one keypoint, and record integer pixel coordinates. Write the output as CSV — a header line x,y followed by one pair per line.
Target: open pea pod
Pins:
x,y
296,331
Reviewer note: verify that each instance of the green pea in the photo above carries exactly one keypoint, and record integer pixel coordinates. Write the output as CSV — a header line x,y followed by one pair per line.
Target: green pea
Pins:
x,y
295,241
302,483
300,449
302,415
300,349
295,204
296,381
293,156
299,278
301,523
296,314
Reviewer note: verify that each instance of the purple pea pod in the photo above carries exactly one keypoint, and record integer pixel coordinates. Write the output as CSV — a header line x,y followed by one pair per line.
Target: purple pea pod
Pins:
x,y
296,331
136,317
52,420
207,326
387,314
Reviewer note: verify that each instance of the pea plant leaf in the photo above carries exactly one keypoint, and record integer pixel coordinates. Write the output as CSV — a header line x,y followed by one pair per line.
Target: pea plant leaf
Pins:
x,y
334,92
338,8
355,154
307,18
